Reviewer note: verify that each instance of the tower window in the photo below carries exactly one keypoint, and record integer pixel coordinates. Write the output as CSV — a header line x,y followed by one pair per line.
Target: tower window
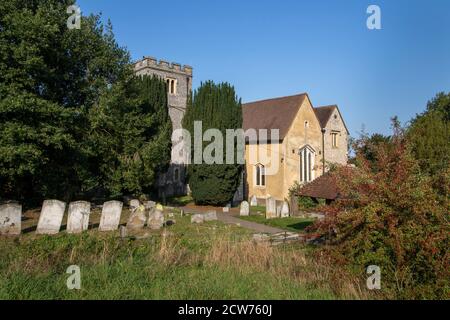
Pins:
x,y
176,175
171,86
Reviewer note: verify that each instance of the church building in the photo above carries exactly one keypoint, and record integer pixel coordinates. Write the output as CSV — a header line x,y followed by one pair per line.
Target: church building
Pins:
x,y
309,140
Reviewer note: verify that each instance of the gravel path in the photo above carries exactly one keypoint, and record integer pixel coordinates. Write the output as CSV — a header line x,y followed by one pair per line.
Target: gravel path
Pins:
x,y
229,219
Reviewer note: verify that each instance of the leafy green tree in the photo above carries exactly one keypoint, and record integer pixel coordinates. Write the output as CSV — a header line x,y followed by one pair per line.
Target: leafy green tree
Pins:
x,y
217,107
429,134
73,119
131,132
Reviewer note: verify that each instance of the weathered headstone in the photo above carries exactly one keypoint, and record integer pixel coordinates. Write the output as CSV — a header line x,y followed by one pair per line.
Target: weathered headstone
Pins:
x,y
110,218
253,201
197,218
51,217
210,216
149,204
10,218
271,210
226,209
137,218
285,210
245,210
123,232
156,220
134,203
278,210
78,220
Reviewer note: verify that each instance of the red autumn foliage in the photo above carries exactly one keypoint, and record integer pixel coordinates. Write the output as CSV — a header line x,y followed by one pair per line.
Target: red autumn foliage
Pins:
x,y
390,215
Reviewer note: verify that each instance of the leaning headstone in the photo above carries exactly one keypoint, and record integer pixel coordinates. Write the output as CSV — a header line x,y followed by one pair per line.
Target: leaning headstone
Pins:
x,y
137,218
110,215
197,218
51,217
134,203
285,210
253,201
78,220
210,216
245,210
10,218
271,210
156,220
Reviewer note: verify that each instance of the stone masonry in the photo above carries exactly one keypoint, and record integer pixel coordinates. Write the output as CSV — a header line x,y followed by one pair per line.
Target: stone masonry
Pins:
x,y
179,80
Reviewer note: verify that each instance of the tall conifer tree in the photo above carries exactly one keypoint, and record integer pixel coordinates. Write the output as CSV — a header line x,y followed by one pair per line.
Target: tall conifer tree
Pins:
x,y
217,107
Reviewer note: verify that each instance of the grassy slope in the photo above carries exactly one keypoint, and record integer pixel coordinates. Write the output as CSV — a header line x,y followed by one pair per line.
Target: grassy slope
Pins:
x,y
209,261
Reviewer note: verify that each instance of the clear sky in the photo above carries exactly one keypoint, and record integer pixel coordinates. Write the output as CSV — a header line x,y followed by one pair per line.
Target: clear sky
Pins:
x,y
274,48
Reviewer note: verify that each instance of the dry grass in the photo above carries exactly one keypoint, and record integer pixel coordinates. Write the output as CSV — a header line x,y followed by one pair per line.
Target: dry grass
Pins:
x,y
286,262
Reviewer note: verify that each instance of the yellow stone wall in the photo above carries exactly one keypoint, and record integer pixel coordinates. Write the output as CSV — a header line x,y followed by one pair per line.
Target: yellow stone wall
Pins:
x,y
278,184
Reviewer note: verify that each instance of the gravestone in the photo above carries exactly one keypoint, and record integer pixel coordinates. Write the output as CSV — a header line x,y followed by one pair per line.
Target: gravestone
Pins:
x,y
78,220
110,218
134,203
10,218
137,218
210,216
156,220
271,210
150,204
253,201
245,210
51,217
197,218
279,210
285,210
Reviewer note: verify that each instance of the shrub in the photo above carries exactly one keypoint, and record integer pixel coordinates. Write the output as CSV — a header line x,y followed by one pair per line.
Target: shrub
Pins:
x,y
392,217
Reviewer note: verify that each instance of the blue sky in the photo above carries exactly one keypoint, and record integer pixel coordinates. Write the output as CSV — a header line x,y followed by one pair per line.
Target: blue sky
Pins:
x,y
274,48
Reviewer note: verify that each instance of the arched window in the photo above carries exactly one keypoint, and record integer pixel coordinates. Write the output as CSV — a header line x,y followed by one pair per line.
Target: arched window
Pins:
x,y
171,86
176,175
260,175
307,156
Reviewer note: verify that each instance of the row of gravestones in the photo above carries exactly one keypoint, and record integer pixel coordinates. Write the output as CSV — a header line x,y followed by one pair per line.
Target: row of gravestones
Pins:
x,y
52,214
272,209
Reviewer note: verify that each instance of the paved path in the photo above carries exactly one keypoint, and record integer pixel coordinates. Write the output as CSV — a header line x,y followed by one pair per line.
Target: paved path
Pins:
x,y
229,219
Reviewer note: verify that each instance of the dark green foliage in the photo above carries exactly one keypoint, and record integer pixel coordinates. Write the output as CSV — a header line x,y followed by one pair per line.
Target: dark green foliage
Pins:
x,y
217,106
55,86
130,136
429,134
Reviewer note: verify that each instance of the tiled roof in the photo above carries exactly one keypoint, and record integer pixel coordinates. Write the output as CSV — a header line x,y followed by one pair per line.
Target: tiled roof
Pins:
x,y
324,113
277,113
324,187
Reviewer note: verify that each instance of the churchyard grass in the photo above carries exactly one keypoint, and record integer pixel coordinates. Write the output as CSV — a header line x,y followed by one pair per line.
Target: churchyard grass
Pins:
x,y
181,261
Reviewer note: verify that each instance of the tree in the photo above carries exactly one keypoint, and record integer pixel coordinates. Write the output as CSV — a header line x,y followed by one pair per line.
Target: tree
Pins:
x,y
429,134
73,119
131,134
217,107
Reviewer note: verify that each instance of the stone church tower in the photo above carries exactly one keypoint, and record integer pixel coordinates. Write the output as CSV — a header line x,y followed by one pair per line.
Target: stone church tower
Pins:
x,y
179,84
